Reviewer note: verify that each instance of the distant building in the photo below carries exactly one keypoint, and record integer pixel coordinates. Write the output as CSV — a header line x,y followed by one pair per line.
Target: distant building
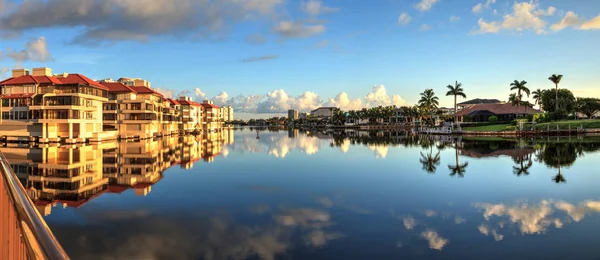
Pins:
x,y
134,82
211,120
303,115
292,114
326,112
227,113
462,105
504,111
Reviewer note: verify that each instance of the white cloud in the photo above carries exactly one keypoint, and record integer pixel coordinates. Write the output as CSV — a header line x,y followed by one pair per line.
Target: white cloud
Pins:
x,y
480,6
454,18
315,8
343,102
424,27
221,99
379,97
165,92
525,16
541,12
380,150
569,20
435,240
485,27
425,5
291,29
200,96
484,229
404,18
593,24
35,50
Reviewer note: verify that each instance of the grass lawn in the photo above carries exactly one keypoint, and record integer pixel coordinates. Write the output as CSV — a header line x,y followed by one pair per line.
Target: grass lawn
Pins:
x,y
490,128
587,124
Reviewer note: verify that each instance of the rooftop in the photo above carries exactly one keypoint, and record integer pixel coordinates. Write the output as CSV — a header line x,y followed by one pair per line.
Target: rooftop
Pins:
x,y
498,109
68,80
117,87
480,101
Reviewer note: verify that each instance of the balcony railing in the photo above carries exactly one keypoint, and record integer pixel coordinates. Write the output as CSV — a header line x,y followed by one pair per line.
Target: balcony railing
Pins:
x,y
23,232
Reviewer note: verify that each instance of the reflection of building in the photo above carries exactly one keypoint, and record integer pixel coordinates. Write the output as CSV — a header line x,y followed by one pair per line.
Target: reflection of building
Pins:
x,y
292,115
57,175
71,176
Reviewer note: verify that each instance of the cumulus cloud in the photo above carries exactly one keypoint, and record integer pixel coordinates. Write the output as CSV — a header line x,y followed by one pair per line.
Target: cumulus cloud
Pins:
x,y
168,93
221,99
259,58
404,18
379,97
592,24
525,16
436,241
116,20
35,50
480,6
569,20
296,29
315,8
344,102
425,5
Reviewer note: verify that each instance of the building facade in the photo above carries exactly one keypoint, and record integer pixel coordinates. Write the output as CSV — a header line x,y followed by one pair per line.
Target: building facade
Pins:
x,y
292,115
53,108
211,116
227,113
323,112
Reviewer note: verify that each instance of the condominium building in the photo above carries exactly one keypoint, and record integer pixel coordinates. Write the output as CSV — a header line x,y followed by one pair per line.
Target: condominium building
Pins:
x,y
212,120
191,116
52,108
134,82
292,115
227,113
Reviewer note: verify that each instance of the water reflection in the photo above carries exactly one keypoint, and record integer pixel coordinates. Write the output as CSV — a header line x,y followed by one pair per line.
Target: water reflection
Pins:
x,y
70,176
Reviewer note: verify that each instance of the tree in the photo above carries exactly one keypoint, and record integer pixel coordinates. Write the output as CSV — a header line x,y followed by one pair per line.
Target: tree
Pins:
x,y
556,79
429,102
513,100
537,97
566,102
520,88
588,106
339,117
430,161
455,91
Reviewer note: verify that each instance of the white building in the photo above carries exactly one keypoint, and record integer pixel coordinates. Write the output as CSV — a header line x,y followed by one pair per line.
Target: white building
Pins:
x,y
325,112
227,113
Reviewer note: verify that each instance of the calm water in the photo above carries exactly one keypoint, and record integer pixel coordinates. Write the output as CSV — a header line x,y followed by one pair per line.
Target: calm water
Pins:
x,y
299,195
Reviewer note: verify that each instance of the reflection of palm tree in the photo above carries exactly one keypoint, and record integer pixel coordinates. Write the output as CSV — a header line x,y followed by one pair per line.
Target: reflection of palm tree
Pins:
x,y
458,169
522,168
559,178
430,161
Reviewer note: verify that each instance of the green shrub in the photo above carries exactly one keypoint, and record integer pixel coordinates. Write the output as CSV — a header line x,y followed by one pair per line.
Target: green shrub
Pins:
x,y
493,119
540,118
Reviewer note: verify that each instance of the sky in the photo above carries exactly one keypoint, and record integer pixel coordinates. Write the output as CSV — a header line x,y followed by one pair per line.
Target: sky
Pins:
x,y
268,56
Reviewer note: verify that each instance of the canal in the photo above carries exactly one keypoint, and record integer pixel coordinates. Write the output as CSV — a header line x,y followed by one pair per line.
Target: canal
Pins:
x,y
279,194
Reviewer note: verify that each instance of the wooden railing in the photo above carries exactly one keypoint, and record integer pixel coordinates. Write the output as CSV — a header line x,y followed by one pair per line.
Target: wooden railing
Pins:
x,y
23,232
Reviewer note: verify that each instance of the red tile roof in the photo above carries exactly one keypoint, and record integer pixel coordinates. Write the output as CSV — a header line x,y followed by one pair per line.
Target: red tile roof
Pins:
x,y
20,95
117,87
189,103
81,79
145,90
498,109
205,105
173,101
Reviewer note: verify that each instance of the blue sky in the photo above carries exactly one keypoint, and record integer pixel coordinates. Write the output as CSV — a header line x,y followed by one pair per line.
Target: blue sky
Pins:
x,y
271,55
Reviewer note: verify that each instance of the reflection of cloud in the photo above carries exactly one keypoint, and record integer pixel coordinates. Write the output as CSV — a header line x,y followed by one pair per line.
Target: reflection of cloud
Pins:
x,y
435,240
326,202
409,222
305,217
536,218
380,150
345,146
319,238
429,213
484,229
459,220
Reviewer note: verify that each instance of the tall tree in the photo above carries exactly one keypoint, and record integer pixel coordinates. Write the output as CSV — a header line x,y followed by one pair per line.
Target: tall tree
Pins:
x,y
513,100
588,106
429,102
520,88
537,97
556,79
455,91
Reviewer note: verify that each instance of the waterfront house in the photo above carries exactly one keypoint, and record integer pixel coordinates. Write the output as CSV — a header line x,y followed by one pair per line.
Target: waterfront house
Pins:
x,y
477,101
323,112
52,108
503,111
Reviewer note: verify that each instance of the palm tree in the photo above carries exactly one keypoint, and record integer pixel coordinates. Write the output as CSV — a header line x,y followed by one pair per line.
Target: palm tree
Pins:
x,y
429,102
513,100
458,169
520,87
455,91
556,79
537,97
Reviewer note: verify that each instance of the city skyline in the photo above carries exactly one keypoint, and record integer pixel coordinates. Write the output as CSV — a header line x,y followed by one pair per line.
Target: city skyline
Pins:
x,y
267,56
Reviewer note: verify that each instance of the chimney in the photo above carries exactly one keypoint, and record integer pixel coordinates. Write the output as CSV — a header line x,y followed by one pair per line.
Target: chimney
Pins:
x,y
42,71
19,72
